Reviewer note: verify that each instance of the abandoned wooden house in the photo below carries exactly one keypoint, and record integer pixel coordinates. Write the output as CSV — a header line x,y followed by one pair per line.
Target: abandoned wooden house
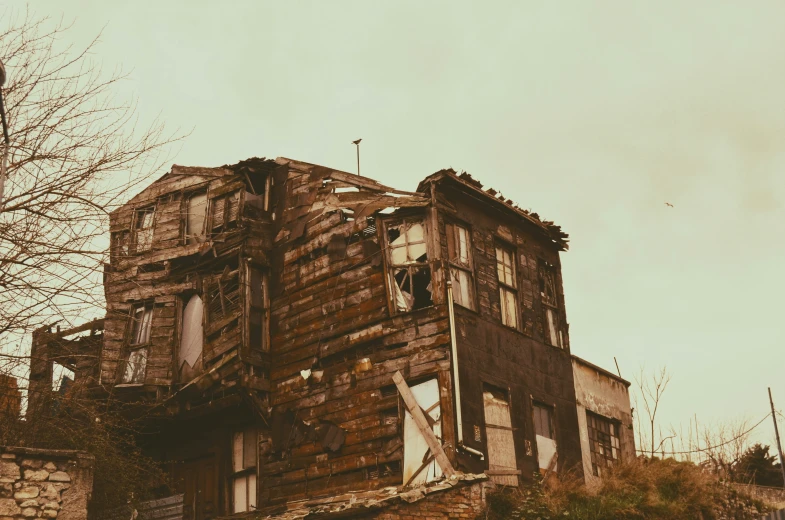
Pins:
x,y
298,332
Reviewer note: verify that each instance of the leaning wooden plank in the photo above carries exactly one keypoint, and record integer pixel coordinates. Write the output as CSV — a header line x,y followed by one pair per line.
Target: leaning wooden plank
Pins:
x,y
422,424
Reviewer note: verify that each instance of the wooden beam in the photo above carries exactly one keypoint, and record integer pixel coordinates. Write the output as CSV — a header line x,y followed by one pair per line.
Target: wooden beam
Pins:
x,y
422,424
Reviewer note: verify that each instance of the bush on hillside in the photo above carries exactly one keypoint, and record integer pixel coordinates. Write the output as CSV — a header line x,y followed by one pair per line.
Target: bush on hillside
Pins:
x,y
641,489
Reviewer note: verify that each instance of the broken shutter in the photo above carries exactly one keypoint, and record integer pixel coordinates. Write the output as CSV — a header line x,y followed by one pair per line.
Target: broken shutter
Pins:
x,y
419,464
498,433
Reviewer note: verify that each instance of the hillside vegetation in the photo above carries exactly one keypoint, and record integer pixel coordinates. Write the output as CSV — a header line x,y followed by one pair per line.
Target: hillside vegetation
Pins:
x,y
651,489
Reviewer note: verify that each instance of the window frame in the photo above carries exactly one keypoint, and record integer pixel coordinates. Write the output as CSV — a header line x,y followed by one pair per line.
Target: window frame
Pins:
x,y
504,286
550,306
245,472
454,262
134,348
184,212
136,229
536,404
614,432
410,267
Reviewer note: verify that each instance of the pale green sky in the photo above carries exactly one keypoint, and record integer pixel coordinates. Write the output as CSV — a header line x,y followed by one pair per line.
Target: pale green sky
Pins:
x,y
594,114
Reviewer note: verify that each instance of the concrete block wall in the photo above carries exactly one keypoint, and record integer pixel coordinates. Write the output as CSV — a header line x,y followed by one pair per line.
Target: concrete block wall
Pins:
x,y
49,484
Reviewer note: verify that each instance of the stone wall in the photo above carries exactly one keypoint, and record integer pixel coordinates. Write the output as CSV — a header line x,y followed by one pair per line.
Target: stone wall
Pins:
x,y
774,497
36,483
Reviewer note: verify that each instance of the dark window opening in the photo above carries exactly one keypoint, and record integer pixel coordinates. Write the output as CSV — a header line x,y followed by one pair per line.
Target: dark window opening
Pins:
x,y
154,267
257,315
603,441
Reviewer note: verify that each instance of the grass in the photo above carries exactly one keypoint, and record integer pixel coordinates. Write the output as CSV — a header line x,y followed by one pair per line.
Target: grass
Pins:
x,y
641,489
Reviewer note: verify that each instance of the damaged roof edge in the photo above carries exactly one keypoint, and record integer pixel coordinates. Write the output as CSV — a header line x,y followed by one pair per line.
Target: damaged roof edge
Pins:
x,y
465,181
601,370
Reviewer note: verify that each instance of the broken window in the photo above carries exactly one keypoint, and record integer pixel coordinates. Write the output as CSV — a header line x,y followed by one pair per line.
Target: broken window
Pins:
x,y
502,463
410,273
223,295
550,303
257,314
62,377
244,470
194,218
508,286
419,464
461,273
141,321
544,435
603,442
120,243
189,360
224,211
143,229
141,324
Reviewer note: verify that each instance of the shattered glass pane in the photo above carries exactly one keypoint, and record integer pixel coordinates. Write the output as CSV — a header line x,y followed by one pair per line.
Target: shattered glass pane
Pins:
x,y
412,288
504,266
462,288
407,243
135,367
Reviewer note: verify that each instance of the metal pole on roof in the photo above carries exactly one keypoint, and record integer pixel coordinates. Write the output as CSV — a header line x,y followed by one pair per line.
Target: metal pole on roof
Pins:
x,y
6,139
357,144
777,433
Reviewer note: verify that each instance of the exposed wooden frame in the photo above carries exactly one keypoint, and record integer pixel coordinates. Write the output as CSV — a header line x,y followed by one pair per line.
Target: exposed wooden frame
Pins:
x,y
423,425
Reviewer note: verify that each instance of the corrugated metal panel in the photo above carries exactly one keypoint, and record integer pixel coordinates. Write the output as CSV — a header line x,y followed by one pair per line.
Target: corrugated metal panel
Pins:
x,y
776,515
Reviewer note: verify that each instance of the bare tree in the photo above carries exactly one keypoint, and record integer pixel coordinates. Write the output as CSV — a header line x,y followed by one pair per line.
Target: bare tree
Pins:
x,y
75,153
650,390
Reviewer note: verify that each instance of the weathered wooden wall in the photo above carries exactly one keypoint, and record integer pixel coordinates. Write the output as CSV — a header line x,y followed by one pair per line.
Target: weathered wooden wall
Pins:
x,y
518,361
330,309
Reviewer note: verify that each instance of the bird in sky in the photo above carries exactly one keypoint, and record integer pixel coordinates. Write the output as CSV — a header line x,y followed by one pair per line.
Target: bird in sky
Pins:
x,y
669,204
357,141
